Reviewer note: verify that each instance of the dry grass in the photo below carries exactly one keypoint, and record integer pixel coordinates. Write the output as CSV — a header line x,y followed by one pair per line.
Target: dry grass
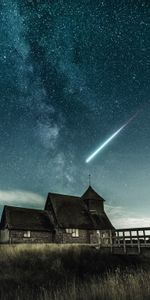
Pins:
x,y
125,286
70,272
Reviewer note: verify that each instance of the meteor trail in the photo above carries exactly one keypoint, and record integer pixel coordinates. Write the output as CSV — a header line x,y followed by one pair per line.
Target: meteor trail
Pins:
x,y
109,139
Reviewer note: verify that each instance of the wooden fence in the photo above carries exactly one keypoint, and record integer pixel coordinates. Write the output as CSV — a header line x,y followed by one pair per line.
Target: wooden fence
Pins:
x,y
125,238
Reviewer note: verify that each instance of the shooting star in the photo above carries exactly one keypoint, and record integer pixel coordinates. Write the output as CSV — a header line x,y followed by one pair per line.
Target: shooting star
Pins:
x,y
110,139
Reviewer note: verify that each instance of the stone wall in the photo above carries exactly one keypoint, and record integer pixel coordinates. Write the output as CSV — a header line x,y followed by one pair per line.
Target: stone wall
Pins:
x,y
82,239
4,236
60,237
17,236
85,237
94,237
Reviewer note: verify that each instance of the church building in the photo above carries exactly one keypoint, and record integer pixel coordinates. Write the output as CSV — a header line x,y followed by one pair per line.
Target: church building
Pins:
x,y
64,219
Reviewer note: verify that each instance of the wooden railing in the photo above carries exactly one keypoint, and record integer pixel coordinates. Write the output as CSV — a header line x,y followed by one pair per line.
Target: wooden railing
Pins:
x,y
125,238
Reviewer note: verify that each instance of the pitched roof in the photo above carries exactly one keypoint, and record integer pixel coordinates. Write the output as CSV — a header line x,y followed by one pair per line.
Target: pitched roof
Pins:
x,y
101,221
70,211
90,194
26,219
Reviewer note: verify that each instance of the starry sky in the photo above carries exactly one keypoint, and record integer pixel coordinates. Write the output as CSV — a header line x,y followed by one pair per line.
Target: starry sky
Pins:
x,y
71,73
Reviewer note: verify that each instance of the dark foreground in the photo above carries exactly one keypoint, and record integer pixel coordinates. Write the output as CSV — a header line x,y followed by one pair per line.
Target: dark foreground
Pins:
x,y
71,273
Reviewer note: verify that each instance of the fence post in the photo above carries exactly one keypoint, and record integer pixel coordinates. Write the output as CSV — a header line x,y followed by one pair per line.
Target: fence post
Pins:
x,y
131,241
124,243
144,237
111,240
139,248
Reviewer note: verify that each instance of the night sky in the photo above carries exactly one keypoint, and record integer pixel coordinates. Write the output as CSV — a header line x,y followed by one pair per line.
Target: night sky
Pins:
x,y
71,73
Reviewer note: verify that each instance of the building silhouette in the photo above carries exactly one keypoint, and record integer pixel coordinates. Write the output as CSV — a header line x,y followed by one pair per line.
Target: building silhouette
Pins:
x,y
65,219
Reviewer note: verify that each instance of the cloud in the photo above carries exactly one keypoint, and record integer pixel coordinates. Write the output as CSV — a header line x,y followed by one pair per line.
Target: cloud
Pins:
x,y
122,218
21,198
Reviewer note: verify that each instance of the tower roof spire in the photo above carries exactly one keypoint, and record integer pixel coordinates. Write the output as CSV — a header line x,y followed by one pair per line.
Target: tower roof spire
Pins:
x,y
90,194
89,179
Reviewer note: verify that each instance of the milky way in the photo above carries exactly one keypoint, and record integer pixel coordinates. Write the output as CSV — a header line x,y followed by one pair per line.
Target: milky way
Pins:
x,y
71,72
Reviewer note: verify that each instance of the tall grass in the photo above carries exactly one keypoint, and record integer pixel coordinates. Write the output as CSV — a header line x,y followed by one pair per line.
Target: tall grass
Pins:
x,y
70,272
116,286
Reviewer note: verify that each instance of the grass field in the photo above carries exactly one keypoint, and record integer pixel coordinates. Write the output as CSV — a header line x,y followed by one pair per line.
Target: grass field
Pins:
x,y
61,272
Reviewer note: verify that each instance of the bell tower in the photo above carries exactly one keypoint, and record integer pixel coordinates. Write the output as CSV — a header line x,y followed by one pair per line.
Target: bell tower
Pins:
x,y
94,202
